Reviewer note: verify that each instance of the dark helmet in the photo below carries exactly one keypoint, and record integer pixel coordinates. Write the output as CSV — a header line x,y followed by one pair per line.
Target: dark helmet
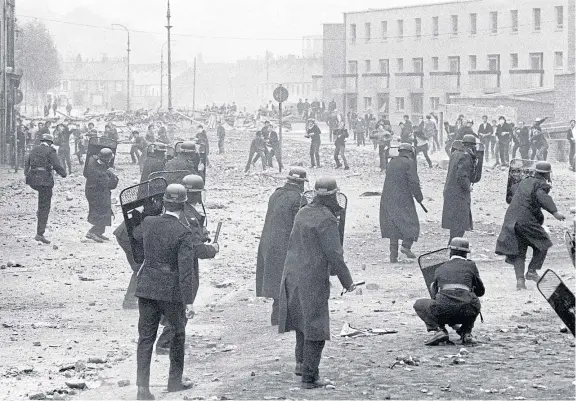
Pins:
x,y
297,174
105,154
406,146
193,183
543,167
469,138
47,138
459,244
188,147
175,193
326,186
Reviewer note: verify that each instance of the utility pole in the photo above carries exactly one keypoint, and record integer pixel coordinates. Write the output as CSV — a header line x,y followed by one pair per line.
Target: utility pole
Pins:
x,y
162,75
194,90
168,27
127,68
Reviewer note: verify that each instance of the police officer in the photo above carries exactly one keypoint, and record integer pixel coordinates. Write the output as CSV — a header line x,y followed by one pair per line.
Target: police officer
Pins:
x,y
187,159
167,285
455,291
155,160
522,226
38,172
100,180
282,208
457,212
195,222
398,217
314,254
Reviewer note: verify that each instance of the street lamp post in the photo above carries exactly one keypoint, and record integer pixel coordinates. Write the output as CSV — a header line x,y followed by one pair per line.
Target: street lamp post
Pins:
x,y
162,75
128,68
168,27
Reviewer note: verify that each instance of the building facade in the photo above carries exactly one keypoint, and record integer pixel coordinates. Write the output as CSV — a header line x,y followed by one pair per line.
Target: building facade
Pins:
x,y
410,60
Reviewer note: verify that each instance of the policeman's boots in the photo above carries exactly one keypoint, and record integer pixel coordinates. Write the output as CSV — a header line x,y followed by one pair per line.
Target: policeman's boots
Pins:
x,y
393,251
519,271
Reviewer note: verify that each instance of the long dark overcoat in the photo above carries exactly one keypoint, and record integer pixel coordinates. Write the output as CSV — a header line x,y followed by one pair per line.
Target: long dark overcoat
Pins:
x,y
152,164
99,183
524,216
398,216
314,253
457,212
282,208
182,162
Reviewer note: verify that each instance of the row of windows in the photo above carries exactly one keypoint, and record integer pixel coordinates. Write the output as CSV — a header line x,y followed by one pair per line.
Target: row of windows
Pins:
x,y
454,24
536,62
99,86
417,103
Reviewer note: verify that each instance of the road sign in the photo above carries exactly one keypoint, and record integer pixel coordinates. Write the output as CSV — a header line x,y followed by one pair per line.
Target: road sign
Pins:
x,y
280,94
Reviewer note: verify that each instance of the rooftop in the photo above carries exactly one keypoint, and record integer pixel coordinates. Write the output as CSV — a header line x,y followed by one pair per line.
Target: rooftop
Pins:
x,y
412,6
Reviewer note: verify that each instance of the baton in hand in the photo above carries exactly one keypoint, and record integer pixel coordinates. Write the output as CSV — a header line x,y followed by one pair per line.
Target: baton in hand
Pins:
x,y
217,232
423,207
344,291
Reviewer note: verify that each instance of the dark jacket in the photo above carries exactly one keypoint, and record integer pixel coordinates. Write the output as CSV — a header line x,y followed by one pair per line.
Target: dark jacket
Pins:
x,y
184,161
457,212
99,183
503,132
202,138
522,137
314,133
151,165
524,216
484,131
314,254
40,163
220,132
398,216
282,208
258,144
341,135
168,272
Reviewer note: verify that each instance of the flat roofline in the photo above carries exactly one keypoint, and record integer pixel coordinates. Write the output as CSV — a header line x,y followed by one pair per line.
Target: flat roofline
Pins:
x,y
370,10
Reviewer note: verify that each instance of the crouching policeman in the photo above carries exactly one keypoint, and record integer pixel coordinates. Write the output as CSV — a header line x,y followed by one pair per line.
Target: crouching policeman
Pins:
x,y
455,291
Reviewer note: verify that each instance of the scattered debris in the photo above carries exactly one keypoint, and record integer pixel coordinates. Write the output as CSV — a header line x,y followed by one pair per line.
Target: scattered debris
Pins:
x,y
37,396
123,383
76,384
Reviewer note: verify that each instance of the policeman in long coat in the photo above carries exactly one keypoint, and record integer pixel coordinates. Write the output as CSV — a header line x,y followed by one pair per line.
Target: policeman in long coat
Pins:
x,y
314,254
40,163
282,208
398,217
100,180
154,162
457,212
522,226
187,159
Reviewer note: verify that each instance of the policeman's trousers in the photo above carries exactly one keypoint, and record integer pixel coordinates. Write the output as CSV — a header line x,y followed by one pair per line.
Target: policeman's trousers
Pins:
x,y
150,313
309,354
538,256
44,203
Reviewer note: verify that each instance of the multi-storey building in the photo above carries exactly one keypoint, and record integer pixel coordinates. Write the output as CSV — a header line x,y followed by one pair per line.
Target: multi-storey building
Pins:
x,y
410,60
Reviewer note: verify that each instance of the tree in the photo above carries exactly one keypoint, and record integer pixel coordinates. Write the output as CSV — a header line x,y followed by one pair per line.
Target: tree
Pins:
x,y
36,54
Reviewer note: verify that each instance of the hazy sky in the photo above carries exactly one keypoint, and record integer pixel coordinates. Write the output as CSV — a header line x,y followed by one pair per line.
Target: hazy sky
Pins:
x,y
222,30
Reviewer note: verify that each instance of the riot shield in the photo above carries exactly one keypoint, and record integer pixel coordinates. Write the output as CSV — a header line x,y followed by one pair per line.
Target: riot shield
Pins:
x,y
570,245
95,144
139,201
308,197
171,177
429,262
518,170
558,296
170,153
177,146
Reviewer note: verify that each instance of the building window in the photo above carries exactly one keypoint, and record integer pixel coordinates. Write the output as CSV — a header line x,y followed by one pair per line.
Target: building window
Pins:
x,y
418,64
536,16
383,103
384,28
514,20
493,62
435,26
454,20
64,85
514,60
367,103
417,103
418,27
353,67
435,63
399,104
454,63
368,65
367,32
559,17
494,21
434,103
536,61
473,23
400,29
400,64
384,66
353,32
558,60
472,60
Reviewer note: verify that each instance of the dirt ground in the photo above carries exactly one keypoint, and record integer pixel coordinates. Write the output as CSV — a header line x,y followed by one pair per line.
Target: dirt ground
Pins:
x,y
62,306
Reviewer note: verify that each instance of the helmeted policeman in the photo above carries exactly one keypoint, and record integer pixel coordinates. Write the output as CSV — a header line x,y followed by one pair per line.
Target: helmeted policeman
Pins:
x,y
38,171
154,162
455,291
187,158
167,285
195,222
522,227
314,254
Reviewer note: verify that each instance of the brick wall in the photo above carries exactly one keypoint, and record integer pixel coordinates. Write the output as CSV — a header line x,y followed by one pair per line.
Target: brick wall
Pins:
x,y
565,94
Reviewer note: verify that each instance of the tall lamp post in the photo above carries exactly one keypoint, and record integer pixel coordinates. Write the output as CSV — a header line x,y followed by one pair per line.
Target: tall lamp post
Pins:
x,y
162,75
168,26
128,68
